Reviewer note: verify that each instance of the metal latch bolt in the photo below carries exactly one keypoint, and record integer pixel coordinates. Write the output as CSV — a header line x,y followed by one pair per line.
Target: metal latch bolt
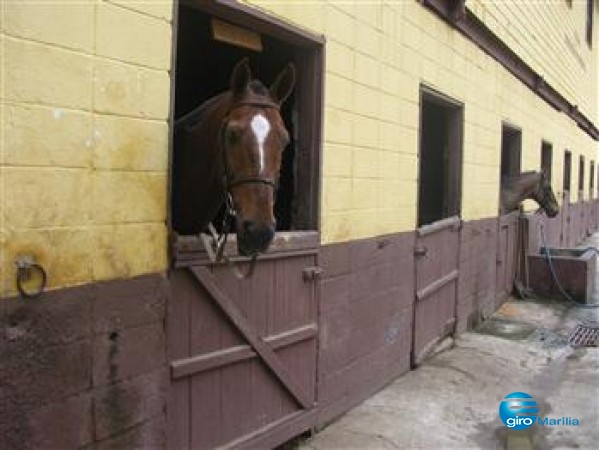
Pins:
x,y
312,273
420,251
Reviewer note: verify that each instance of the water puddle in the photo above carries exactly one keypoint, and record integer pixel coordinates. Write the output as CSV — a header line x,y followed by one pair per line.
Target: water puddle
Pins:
x,y
507,329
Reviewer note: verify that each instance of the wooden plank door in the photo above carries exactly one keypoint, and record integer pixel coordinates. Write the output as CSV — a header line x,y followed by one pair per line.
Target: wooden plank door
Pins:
x,y
242,353
507,244
567,239
437,259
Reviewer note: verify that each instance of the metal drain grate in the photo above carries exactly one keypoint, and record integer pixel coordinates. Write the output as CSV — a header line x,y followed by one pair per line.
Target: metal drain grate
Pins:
x,y
585,336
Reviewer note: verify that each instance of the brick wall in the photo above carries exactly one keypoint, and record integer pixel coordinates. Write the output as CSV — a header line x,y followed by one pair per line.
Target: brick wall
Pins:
x,y
84,161
84,103
85,365
85,98
538,32
377,56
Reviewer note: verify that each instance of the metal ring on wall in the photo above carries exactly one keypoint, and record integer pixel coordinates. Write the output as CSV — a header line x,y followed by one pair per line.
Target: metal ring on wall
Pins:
x,y
25,270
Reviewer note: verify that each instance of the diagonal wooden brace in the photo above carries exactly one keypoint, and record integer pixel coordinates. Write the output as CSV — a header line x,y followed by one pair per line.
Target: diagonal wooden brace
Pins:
x,y
208,281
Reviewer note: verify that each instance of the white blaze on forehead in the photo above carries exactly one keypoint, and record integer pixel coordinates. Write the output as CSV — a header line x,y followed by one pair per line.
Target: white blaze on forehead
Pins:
x,y
261,127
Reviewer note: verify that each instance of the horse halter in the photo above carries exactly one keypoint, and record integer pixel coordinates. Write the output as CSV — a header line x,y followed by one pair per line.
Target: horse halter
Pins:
x,y
543,195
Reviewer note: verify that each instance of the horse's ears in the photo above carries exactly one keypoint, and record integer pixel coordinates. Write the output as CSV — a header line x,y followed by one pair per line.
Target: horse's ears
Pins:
x,y
241,76
283,85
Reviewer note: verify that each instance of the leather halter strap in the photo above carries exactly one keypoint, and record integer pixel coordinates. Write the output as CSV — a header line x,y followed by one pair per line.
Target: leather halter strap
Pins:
x,y
255,103
259,180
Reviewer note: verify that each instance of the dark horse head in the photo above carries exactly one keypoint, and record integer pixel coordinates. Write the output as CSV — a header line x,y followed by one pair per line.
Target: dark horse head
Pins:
x,y
528,185
229,152
545,197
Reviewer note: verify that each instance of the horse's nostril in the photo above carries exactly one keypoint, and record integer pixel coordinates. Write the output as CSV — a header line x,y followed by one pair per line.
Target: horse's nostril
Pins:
x,y
255,236
247,226
269,233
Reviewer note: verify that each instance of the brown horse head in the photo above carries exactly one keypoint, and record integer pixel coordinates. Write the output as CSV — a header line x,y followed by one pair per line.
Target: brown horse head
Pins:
x,y
253,137
545,197
528,185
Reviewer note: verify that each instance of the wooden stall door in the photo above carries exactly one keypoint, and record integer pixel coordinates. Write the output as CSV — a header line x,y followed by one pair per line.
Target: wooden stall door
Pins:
x,y
582,221
553,230
566,237
242,353
589,218
507,244
592,216
437,259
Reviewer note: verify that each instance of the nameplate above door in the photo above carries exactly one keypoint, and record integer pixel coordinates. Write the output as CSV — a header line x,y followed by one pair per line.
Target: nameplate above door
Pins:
x,y
234,35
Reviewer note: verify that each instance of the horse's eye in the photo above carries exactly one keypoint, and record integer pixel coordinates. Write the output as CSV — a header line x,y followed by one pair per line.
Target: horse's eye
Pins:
x,y
231,136
232,133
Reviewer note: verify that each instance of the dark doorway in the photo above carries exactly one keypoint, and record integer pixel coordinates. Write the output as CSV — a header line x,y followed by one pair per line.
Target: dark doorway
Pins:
x,y
547,158
511,150
589,22
567,172
592,180
580,177
439,184
203,67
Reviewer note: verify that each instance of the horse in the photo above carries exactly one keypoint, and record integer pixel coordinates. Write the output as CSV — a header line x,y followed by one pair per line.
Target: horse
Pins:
x,y
528,185
228,153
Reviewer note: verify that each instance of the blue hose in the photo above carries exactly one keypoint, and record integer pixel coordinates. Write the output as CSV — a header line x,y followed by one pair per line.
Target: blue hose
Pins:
x,y
590,249
554,275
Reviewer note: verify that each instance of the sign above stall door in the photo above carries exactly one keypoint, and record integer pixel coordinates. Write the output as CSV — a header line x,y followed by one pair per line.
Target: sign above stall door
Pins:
x,y
234,35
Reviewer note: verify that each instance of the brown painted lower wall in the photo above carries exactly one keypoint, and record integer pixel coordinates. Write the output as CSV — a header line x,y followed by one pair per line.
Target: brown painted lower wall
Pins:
x,y
84,366
366,309
367,295
365,319
572,225
478,269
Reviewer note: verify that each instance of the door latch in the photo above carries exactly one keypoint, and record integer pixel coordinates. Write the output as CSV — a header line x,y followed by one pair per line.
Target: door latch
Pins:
x,y
312,273
420,250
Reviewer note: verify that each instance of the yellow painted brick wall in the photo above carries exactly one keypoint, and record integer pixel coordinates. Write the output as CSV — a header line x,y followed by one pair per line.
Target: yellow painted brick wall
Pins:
x,y
377,56
551,37
85,98
84,104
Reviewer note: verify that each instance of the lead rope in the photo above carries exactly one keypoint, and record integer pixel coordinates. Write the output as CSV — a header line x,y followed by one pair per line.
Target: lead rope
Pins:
x,y
215,244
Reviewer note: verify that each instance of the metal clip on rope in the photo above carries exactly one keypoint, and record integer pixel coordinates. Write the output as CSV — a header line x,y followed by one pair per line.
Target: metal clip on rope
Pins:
x,y
215,248
26,268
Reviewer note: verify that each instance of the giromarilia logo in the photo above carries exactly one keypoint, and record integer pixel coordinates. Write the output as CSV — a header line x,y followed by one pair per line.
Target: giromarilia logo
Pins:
x,y
519,411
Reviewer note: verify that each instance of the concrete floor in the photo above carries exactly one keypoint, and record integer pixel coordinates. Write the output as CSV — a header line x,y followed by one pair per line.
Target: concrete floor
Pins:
x,y
452,400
